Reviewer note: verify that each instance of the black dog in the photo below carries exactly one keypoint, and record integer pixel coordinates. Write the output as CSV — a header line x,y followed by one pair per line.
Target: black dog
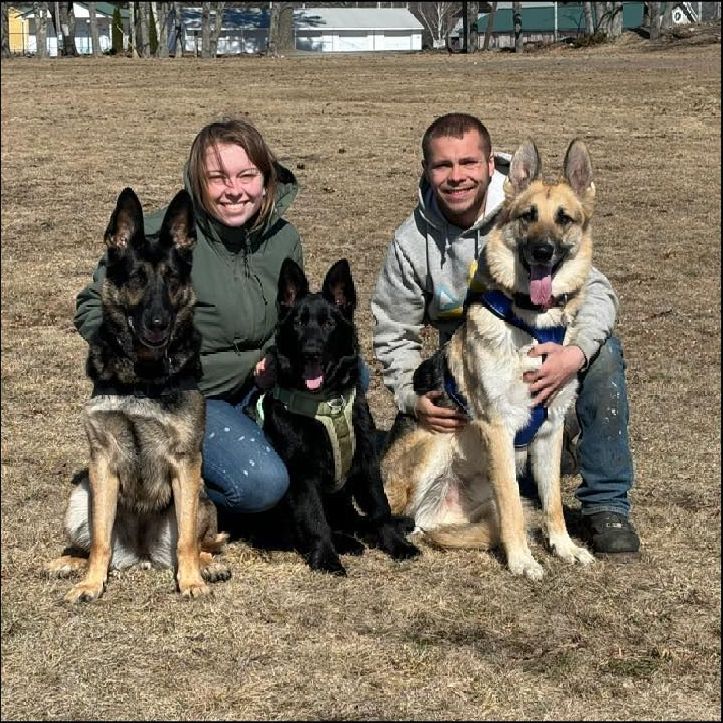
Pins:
x,y
318,419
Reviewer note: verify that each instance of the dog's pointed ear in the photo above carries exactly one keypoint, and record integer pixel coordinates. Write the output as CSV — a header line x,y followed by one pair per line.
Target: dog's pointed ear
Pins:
x,y
578,168
179,227
125,227
525,167
339,288
293,283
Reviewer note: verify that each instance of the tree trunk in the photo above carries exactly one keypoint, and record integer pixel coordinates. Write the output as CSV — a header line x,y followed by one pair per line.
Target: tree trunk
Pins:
x,y
144,41
472,18
616,21
273,40
178,30
217,28
162,28
490,26
517,24
132,23
654,20
589,21
206,30
40,12
67,27
5,32
93,23
287,40
465,27
666,15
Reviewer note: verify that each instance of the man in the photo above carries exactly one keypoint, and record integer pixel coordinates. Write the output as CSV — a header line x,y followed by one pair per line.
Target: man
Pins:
x,y
424,280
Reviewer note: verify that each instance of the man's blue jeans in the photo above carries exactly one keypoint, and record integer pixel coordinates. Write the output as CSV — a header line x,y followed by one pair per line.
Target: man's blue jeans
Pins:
x,y
606,464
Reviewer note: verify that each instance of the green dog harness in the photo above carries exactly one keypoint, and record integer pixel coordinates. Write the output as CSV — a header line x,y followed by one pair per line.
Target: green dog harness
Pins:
x,y
335,413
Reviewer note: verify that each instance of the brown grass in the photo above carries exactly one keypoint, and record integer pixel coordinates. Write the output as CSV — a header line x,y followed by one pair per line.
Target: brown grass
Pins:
x,y
453,635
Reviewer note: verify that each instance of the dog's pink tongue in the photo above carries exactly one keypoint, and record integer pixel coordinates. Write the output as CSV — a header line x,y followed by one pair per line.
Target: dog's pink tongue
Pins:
x,y
313,376
541,286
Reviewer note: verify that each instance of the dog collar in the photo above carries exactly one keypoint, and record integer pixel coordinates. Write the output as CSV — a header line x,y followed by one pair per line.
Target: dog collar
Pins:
x,y
145,390
501,306
334,411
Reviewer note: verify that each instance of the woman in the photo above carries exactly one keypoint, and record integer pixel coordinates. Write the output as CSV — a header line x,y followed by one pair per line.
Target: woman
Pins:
x,y
240,193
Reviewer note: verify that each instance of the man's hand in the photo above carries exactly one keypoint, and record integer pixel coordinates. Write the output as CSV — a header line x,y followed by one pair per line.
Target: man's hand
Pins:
x,y
438,419
265,373
561,365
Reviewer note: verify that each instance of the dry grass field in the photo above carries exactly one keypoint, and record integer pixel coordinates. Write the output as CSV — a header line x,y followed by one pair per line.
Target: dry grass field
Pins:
x,y
451,635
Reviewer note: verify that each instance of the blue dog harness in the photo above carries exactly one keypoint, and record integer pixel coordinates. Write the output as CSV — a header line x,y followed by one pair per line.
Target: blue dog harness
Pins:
x,y
501,306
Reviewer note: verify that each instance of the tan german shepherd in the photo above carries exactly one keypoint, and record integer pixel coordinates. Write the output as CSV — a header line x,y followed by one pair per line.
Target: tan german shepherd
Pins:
x,y
143,500
461,487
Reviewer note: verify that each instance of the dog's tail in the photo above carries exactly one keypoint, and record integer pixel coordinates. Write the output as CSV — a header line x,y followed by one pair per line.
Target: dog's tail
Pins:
x,y
471,535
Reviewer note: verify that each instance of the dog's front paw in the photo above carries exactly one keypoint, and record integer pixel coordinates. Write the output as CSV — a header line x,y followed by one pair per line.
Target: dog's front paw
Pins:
x,y
395,544
346,544
564,548
525,564
192,585
66,565
323,559
85,591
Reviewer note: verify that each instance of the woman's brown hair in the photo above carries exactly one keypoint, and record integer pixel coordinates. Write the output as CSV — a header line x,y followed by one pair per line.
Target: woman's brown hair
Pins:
x,y
235,132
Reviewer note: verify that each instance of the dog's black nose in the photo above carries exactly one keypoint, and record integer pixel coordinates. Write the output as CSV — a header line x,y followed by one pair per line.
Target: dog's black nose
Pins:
x,y
542,253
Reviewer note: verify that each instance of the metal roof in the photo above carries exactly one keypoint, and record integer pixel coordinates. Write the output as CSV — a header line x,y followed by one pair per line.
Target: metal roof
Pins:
x,y
356,19
312,19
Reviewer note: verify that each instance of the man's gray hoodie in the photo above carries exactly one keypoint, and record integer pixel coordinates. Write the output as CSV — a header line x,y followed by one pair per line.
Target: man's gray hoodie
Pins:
x,y
424,280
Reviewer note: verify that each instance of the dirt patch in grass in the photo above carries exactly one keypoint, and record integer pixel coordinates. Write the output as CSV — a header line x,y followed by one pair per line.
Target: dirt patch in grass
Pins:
x,y
450,636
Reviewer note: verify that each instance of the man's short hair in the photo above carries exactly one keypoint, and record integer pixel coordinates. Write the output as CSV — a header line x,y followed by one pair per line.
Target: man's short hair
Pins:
x,y
455,125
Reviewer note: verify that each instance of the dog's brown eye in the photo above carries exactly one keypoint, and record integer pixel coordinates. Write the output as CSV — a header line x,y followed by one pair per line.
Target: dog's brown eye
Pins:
x,y
530,215
563,218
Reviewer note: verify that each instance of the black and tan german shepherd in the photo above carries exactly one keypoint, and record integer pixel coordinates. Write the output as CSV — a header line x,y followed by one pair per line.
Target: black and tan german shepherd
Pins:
x,y
318,420
143,500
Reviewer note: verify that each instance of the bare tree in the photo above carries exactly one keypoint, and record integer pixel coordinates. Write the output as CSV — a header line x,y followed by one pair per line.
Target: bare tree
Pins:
x,y
666,21
490,26
436,17
616,19
217,27
472,18
654,20
5,32
64,20
276,42
40,12
144,37
160,14
132,23
517,24
587,11
285,38
179,30
205,30
93,23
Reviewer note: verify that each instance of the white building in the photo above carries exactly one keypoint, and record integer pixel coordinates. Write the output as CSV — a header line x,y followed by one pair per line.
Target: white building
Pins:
x,y
357,29
246,30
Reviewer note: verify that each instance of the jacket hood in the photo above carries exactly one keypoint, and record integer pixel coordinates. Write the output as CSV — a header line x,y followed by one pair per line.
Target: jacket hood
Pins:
x,y
429,210
287,188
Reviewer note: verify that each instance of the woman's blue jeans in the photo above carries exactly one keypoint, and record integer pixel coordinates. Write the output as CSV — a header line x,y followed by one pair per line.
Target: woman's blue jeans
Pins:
x,y
241,470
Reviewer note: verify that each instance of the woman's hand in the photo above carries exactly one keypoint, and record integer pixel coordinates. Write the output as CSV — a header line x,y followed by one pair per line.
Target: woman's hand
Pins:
x,y
265,373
